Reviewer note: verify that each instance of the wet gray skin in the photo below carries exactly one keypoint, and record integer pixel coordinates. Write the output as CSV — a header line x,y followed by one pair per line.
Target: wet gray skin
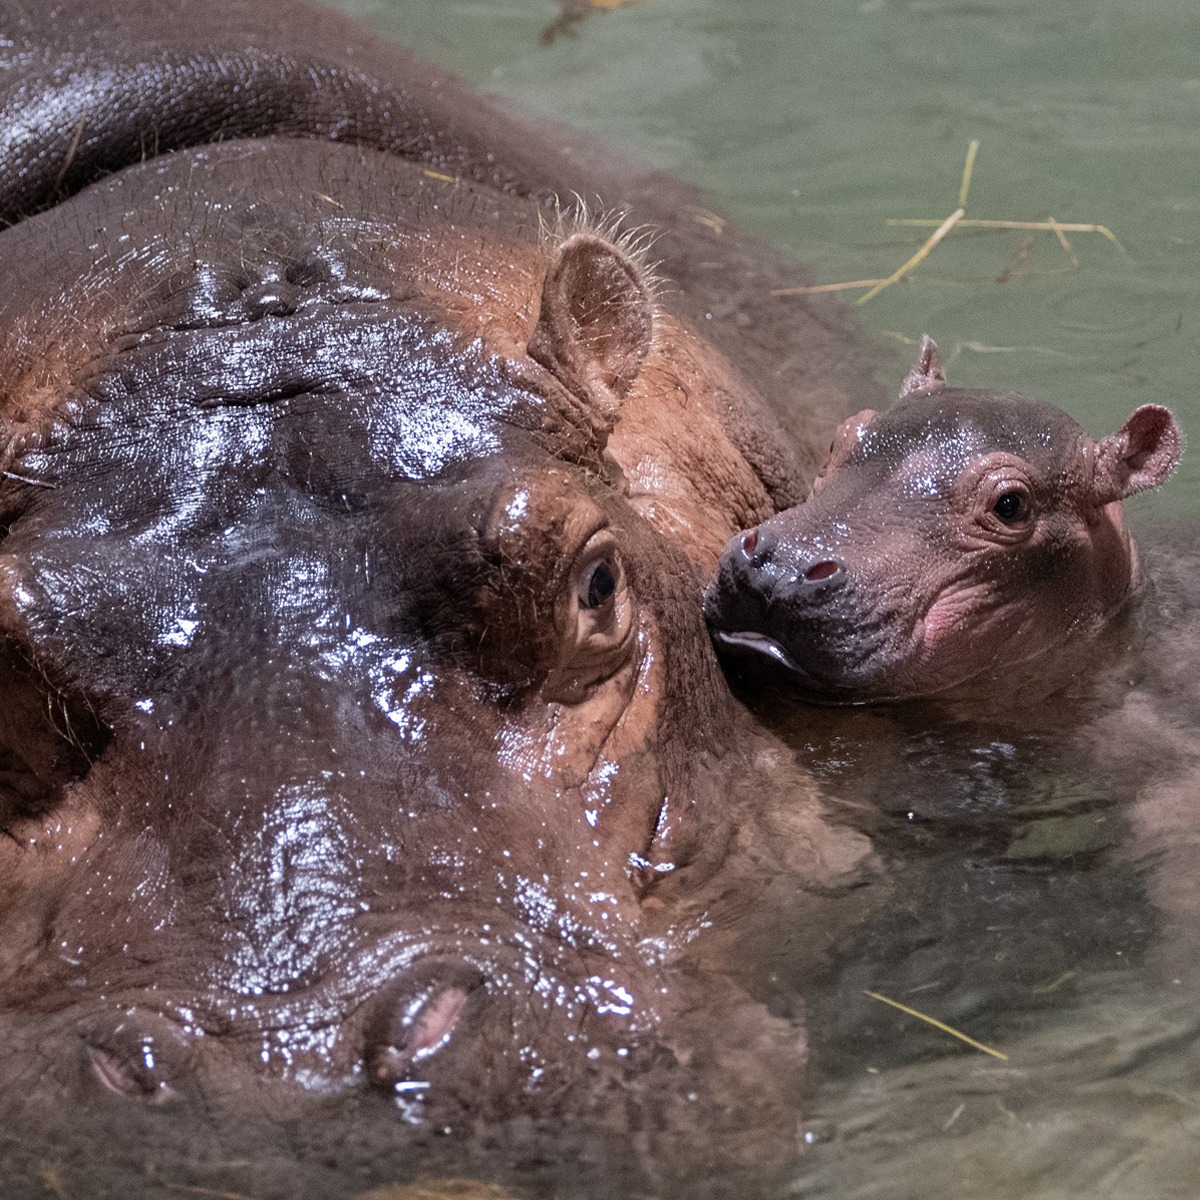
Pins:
x,y
965,543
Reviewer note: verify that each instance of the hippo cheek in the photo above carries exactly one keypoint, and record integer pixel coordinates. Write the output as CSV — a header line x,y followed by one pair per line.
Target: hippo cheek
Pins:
x,y
137,1055
968,632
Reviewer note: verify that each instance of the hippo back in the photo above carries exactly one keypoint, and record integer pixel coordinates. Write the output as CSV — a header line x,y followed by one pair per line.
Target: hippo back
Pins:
x,y
89,89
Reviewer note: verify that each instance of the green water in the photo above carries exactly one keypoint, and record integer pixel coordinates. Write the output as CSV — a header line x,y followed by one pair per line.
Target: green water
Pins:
x,y
812,122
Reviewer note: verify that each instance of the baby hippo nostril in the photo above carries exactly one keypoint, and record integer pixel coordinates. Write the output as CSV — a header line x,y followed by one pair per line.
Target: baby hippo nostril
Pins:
x,y
757,547
827,568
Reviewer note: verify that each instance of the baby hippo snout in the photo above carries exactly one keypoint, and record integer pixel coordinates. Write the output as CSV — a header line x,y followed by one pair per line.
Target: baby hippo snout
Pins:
x,y
768,586
758,561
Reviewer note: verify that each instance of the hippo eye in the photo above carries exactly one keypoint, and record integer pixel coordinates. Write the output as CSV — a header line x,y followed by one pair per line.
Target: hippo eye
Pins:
x,y
995,497
599,631
1010,506
598,585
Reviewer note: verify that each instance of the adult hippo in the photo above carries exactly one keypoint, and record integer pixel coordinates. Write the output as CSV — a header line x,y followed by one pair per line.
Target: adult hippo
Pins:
x,y
361,727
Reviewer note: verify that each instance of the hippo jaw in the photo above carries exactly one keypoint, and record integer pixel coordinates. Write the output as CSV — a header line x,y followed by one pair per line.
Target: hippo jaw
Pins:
x,y
795,662
749,645
756,643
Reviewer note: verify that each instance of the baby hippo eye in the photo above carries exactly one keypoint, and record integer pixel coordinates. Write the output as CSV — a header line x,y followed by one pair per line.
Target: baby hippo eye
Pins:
x,y
598,585
995,496
1010,506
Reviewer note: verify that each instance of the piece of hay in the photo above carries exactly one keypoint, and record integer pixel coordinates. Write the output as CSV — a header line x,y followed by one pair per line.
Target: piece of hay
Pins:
x,y
958,219
912,1012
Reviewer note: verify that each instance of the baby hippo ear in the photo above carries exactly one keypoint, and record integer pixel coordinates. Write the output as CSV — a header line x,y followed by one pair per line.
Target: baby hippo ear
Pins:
x,y
927,374
596,319
1140,455
845,441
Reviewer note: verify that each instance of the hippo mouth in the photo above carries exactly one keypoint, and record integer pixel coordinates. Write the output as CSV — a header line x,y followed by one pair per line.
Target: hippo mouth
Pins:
x,y
758,648
757,644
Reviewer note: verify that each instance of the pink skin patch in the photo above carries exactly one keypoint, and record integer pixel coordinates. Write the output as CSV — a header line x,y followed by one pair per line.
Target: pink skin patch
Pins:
x,y
433,1024
968,634
945,620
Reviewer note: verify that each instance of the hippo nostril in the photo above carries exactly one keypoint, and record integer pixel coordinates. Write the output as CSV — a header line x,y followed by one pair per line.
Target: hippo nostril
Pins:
x,y
408,1033
822,570
757,547
117,1075
825,569
140,1055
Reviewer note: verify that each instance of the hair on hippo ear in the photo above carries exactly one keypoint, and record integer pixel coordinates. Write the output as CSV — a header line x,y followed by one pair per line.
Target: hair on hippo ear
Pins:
x,y
595,323
927,374
1140,455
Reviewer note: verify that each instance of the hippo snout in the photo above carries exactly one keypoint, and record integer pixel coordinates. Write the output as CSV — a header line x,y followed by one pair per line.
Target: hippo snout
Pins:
x,y
758,571
761,560
767,589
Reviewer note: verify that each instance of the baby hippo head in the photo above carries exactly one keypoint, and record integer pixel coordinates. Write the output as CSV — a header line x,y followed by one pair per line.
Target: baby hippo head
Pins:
x,y
963,542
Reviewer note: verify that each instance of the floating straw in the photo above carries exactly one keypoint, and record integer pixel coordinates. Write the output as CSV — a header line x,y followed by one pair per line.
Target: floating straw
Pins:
x,y
957,219
912,1012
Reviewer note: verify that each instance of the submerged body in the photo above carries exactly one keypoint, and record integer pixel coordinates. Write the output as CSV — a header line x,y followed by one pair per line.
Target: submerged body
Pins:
x,y
964,543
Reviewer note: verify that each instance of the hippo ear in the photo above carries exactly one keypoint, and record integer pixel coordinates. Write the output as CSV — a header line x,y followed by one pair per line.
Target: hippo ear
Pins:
x,y
927,374
845,441
596,319
1140,455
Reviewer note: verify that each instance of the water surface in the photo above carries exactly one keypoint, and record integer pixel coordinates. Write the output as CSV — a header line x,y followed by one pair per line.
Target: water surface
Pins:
x,y
814,122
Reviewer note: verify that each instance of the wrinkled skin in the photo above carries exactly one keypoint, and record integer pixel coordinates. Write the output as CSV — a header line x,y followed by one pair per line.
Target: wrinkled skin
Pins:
x,y
965,543
361,725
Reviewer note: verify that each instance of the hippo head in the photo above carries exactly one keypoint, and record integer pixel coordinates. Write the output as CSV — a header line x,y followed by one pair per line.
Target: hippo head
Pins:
x,y
351,712
961,541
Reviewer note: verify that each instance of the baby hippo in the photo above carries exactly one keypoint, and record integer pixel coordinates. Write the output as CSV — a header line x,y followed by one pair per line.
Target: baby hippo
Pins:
x,y
962,542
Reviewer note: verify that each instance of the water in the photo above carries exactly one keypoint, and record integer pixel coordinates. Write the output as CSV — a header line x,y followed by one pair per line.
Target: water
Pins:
x,y
1039,870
